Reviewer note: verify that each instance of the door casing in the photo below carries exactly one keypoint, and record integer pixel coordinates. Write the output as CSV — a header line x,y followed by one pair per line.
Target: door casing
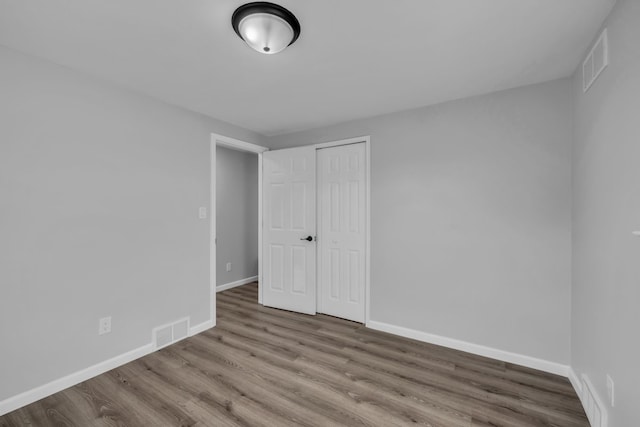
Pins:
x,y
239,145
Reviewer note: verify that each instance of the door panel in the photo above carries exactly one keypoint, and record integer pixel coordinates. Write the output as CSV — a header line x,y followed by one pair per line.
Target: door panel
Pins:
x,y
289,198
341,231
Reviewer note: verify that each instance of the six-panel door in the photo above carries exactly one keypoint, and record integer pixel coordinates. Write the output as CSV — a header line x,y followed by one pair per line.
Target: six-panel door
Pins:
x,y
342,231
289,219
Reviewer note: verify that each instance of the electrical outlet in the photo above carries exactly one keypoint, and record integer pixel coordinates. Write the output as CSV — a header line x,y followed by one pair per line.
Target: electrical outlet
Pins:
x,y
104,325
202,213
611,391
228,266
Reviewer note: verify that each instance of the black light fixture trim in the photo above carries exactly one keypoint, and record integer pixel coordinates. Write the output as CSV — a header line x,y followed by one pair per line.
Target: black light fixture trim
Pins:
x,y
269,8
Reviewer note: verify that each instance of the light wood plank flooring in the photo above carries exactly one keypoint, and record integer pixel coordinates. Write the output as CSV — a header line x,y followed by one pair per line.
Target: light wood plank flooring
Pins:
x,y
267,367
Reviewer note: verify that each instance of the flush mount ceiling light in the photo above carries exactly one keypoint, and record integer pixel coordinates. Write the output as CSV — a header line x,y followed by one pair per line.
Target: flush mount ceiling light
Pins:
x,y
265,27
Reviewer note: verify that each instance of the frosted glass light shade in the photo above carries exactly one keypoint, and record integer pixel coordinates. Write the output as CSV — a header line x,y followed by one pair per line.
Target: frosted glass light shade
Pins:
x,y
265,27
266,33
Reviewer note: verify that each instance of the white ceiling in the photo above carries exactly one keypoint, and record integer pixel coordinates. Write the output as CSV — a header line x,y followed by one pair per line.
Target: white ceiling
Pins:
x,y
354,58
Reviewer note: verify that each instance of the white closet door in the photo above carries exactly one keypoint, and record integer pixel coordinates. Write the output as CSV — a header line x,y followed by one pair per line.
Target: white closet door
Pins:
x,y
341,231
289,229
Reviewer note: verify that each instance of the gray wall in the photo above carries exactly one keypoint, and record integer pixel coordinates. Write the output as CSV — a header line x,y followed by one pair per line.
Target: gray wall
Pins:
x,y
236,214
100,190
470,217
606,180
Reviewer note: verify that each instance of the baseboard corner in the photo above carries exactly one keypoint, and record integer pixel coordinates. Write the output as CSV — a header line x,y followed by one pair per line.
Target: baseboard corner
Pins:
x,y
481,350
195,330
235,284
574,379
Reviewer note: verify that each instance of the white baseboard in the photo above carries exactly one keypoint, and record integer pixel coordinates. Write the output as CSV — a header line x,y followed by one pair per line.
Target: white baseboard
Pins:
x,y
60,384
35,394
236,283
505,356
575,382
55,386
195,330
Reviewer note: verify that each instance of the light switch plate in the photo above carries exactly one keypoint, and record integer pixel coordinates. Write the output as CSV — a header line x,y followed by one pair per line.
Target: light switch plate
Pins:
x,y
202,213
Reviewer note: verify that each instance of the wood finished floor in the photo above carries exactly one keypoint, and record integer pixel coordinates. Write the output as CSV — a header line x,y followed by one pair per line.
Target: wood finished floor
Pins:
x,y
267,367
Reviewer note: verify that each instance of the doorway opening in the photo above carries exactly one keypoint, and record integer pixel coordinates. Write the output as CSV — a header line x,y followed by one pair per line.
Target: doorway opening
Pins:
x,y
236,203
236,218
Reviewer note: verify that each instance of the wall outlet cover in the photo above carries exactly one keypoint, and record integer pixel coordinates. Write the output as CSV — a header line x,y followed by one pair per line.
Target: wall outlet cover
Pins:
x,y
104,325
228,266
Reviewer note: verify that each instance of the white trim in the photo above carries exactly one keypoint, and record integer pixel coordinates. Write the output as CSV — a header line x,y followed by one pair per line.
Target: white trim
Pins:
x,y
237,283
212,233
236,144
195,330
37,393
30,396
575,382
367,261
318,238
260,228
347,141
588,397
493,353
595,408
586,85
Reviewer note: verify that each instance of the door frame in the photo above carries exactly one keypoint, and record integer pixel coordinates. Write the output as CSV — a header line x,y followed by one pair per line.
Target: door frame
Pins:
x,y
367,271
235,144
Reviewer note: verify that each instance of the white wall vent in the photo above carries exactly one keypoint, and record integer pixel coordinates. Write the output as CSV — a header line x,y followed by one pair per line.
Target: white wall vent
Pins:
x,y
593,406
596,61
170,333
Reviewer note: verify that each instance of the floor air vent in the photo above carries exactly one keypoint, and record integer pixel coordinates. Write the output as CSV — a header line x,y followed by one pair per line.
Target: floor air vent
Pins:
x,y
168,334
592,404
